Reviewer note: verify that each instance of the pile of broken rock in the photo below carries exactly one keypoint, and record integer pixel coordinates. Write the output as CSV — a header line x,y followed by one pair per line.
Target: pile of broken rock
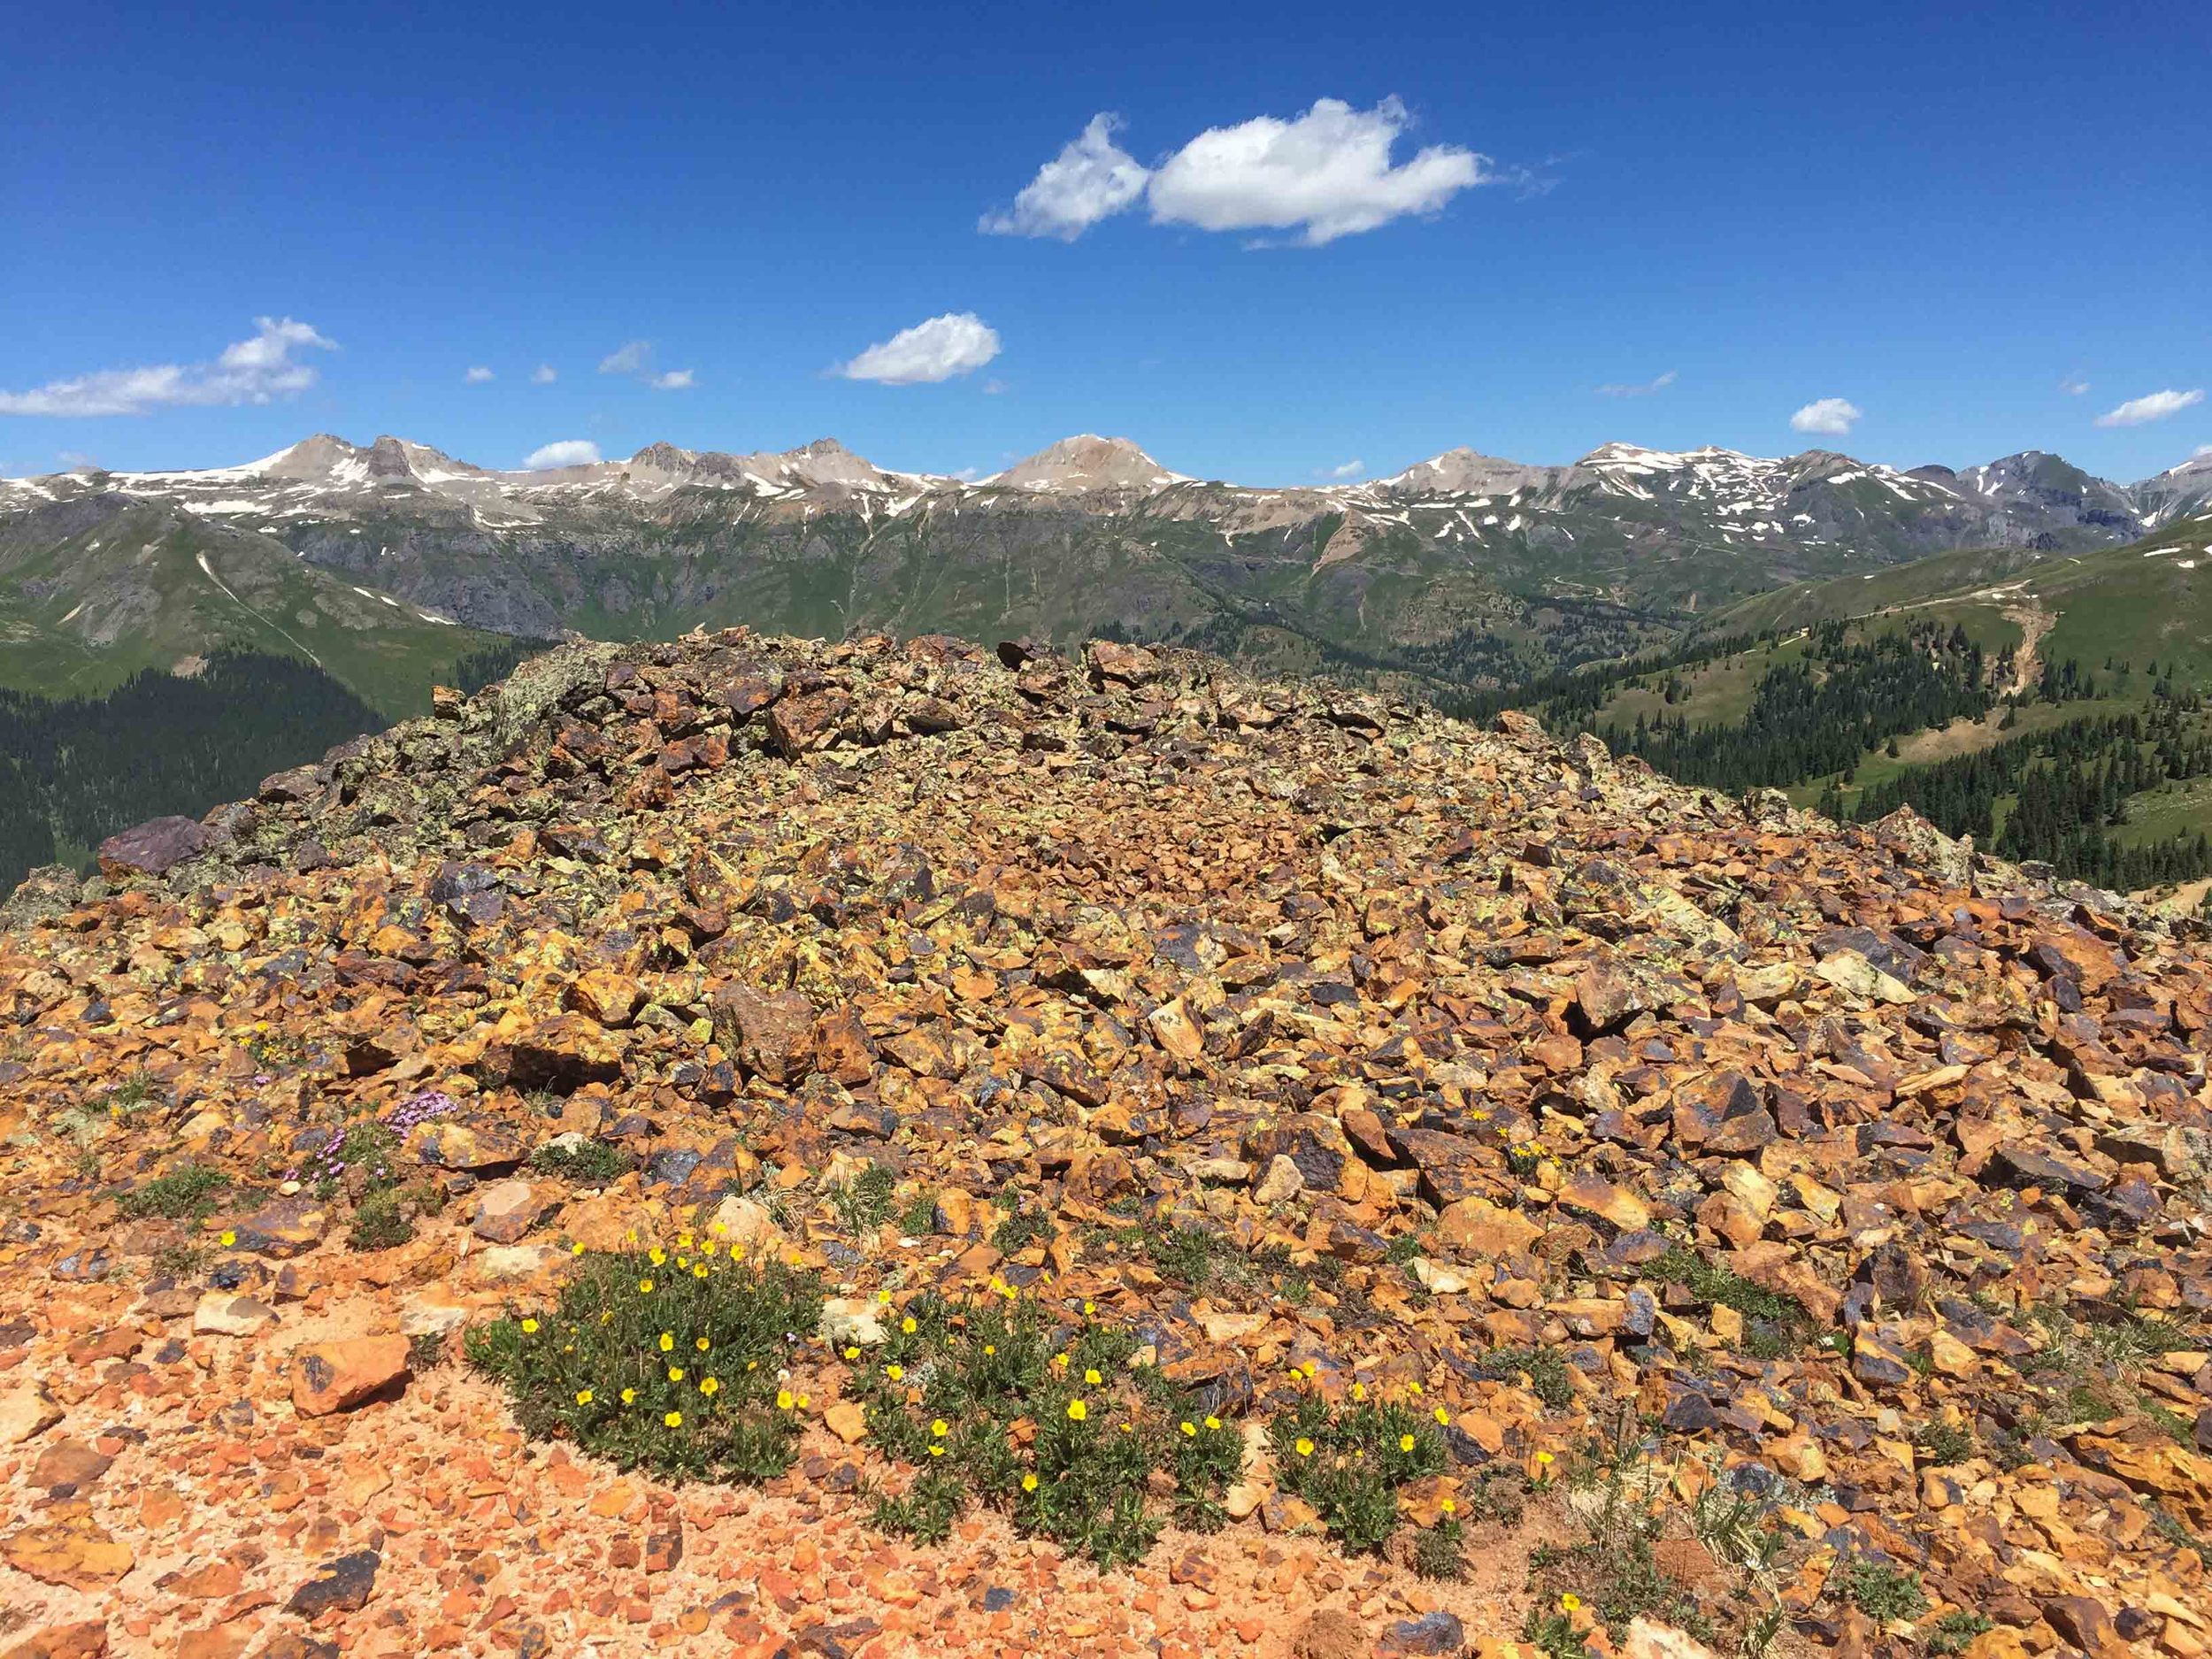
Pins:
x,y
1327,1043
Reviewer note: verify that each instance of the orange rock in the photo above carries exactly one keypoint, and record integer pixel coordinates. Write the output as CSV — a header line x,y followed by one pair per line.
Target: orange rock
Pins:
x,y
70,1547
329,1376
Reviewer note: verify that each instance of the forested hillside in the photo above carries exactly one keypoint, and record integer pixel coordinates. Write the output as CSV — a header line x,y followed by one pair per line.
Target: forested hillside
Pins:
x,y
2059,718
74,771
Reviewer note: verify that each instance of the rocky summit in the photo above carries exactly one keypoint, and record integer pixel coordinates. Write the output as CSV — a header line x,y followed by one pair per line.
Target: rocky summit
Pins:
x,y
1443,1190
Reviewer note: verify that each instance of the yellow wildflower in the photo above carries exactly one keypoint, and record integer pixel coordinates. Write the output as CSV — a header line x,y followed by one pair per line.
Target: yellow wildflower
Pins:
x,y
668,1340
645,1287
702,1344
907,1324
229,1239
783,1400
629,1396
941,1428
529,1328
583,1397
1443,1415
1092,1376
894,1372
852,1350
1190,1429
1077,1411
673,1420
1213,1422
1571,1602
1029,1483
675,1373
1405,1442
1304,1448
710,1386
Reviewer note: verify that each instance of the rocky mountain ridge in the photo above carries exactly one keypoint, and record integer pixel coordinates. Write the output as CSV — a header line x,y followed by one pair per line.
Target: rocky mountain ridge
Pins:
x,y
1463,571
1342,1055
2028,493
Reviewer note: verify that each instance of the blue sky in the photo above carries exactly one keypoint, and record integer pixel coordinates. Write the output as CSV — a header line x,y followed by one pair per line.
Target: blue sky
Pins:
x,y
1942,217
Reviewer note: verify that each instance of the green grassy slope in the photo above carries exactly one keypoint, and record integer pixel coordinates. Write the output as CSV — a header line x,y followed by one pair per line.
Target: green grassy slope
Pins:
x,y
91,596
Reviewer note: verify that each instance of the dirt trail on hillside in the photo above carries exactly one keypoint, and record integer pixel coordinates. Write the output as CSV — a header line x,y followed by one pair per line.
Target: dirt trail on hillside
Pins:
x,y
2035,622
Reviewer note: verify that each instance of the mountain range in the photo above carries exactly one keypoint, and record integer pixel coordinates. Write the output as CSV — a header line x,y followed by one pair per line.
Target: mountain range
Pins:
x,y
1465,567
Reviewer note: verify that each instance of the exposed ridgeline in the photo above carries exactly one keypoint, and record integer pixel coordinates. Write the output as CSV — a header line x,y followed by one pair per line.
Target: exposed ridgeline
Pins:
x,y
1463,571
1054,1097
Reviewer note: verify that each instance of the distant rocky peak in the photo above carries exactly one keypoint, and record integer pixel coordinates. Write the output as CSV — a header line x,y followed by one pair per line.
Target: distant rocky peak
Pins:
x,y
1087,462
663,457
1464,471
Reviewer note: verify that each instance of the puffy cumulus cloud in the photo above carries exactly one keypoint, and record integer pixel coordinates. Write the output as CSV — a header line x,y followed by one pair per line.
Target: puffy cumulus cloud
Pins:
x,y
567,452
958,342
1833,416
1637,388
544,374
478,375
1326,173
1352,468
633,358
673,380
256,370
2151,406
1091,178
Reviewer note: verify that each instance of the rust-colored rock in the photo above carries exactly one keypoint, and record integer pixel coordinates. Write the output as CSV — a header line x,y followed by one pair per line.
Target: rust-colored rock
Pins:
x,y
328,1377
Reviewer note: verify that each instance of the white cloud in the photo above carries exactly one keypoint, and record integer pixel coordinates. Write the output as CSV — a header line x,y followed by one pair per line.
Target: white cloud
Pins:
x,y
636,360
1352,468
2153,406
478,375
256,370
1090,179
2202,450
567,452
958,342
1637,388
993,387
1326,173
2073,386
544,374
1831,416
